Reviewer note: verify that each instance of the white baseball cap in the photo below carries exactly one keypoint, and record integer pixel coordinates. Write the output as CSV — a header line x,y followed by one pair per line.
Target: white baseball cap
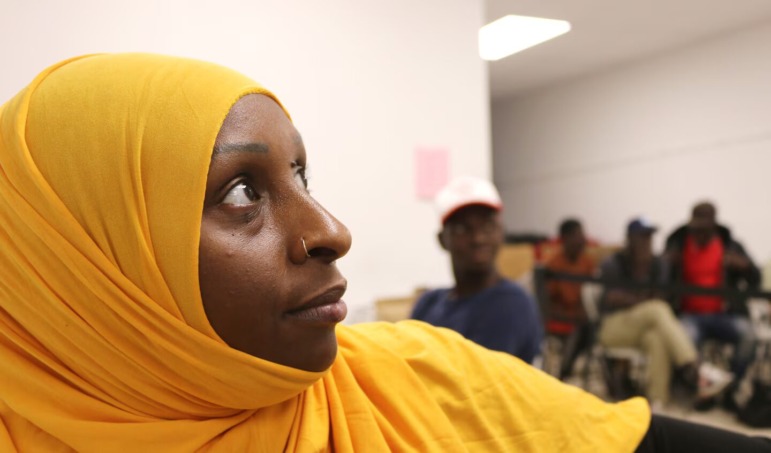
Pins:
x,y
466,191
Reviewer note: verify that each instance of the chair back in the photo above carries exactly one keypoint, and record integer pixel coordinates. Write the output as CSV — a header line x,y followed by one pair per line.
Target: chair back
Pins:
x,y
760,317
590,298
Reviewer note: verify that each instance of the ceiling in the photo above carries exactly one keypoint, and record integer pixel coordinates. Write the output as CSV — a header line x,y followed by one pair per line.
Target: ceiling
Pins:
x,y
607,33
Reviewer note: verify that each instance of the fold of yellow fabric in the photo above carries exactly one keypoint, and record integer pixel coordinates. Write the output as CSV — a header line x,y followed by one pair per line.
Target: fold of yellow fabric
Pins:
x,y
104,344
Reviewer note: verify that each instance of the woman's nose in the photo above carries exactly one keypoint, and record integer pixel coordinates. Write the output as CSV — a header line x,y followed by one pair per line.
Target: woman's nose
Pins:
x,y
320,235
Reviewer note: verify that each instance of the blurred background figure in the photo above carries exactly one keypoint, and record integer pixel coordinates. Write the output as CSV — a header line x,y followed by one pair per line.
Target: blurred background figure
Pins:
x,y
482,306
641,318
704,253
565,317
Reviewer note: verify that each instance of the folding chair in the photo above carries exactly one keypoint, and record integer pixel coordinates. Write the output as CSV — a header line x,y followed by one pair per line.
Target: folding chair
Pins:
x,y
760,317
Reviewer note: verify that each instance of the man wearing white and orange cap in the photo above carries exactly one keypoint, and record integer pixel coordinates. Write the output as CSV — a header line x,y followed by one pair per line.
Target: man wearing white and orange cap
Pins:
x,y
483,306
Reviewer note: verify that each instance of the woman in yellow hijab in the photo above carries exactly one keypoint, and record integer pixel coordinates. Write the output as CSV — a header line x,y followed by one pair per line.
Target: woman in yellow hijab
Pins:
x,y
168,284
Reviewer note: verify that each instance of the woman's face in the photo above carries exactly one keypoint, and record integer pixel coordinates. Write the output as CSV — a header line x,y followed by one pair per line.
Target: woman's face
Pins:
x,y
261,292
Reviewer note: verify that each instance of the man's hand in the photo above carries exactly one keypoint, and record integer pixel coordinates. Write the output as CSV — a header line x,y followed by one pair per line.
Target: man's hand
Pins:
x,y
619,298
734,260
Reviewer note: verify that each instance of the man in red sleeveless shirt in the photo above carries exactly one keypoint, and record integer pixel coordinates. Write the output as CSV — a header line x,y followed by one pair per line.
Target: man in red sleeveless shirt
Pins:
x,y
703,253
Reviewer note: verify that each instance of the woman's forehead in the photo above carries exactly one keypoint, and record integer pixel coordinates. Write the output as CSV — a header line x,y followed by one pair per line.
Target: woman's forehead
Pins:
x,y
254,124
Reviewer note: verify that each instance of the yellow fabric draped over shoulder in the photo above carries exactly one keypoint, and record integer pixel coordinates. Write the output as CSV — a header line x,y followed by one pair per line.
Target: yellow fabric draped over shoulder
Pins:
x,y
104,344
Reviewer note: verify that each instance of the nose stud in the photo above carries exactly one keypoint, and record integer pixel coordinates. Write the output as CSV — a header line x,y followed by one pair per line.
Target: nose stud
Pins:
x,y
308,255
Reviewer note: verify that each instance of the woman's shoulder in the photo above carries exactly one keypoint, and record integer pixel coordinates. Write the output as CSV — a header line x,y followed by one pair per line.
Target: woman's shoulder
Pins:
x,y
403,338
483,390
417,347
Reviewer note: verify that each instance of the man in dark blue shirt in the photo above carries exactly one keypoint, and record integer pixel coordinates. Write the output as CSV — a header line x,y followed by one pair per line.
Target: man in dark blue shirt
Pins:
x,y
483,306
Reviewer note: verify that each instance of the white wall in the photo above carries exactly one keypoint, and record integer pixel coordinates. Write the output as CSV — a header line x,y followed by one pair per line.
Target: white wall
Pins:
x,y
650,138
366,82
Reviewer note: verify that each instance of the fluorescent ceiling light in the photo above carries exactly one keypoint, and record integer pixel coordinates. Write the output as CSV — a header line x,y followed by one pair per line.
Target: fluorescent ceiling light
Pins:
x,y
511,34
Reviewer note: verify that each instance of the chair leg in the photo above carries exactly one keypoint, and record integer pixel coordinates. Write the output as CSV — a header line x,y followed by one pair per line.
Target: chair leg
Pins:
x,y
586,372
553,353
593,355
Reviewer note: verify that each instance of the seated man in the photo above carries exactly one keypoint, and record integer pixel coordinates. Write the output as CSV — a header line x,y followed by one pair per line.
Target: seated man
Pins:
x,y
565,312
639,318
705,254
482,306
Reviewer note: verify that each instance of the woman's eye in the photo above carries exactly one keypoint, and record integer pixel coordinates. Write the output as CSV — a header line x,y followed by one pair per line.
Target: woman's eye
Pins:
x,y
241,194
300,177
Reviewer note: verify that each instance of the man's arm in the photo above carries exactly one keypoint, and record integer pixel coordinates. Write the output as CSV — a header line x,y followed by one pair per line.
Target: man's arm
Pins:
x,y
615,297
421,306
529,324
737,260
509,323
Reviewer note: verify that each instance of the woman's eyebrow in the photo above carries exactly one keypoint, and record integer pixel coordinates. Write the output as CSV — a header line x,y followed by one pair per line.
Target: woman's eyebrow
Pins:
x,y
255,147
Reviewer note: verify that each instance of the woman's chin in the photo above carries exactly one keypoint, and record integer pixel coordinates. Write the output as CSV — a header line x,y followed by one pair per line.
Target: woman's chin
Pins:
x,y
319,362
314,356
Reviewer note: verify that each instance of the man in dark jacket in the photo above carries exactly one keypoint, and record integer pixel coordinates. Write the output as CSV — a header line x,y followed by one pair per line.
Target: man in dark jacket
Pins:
x,y
703,253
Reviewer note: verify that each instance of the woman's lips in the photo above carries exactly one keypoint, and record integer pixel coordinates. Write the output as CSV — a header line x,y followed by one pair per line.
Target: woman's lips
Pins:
x,y
326,308
330,313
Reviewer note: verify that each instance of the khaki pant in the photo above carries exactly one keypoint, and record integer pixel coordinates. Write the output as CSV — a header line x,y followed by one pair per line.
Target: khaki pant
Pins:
x,y
652,327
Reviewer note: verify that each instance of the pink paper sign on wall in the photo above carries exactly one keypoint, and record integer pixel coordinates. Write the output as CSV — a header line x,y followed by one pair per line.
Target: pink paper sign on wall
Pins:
x,y
432,170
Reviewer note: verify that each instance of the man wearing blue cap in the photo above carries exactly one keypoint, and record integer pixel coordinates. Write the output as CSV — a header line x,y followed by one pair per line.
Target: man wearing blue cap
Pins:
x,y
640,318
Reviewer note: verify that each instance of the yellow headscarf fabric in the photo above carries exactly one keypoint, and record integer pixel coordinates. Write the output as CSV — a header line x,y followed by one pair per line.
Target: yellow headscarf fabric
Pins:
x,y
104,344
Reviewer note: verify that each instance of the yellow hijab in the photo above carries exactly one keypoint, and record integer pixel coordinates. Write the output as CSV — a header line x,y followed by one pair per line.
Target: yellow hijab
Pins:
x,y
104,344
